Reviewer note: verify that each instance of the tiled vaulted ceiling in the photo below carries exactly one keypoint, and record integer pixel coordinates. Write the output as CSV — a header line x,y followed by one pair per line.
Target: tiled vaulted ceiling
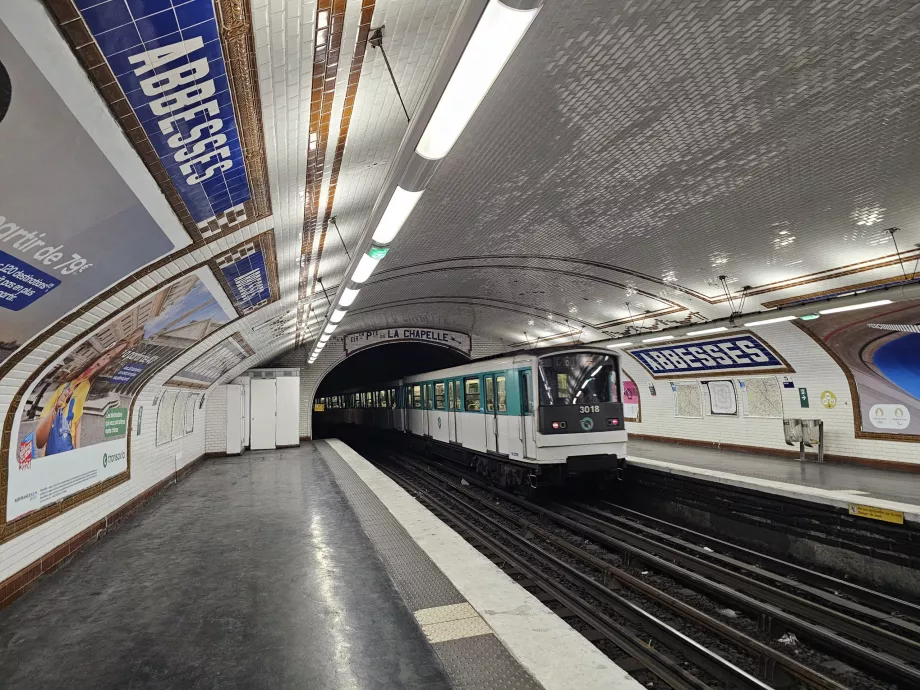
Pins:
x,y
629,154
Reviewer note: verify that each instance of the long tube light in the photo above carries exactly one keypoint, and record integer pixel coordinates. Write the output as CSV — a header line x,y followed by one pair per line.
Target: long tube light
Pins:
x,y
330,327
497,34
658,339
707,331
616,345
325,338
778,319
365,267
852,307
396,213
348,296
337,316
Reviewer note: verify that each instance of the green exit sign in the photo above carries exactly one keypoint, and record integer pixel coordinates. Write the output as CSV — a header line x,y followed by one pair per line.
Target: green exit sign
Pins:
x,y
803,397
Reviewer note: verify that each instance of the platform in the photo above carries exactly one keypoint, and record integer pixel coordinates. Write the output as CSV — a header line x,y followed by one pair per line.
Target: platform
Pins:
x,y
296,568
830,484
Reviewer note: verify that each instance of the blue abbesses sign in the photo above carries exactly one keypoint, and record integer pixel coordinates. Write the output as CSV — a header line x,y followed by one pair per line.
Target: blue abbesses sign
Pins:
x,y
248,278
742,352
21,283
168,59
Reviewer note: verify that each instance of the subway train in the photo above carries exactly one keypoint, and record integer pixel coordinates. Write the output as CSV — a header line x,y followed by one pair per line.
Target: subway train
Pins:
x,y
524,419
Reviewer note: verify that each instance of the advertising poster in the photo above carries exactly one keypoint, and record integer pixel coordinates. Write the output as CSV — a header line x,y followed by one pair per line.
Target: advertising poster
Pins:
x,y
630,399
880,347
70,431
209,367
69,225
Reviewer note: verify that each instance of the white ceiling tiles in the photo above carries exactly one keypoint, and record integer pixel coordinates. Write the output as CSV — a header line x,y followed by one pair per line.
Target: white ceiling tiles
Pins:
x,y
628,155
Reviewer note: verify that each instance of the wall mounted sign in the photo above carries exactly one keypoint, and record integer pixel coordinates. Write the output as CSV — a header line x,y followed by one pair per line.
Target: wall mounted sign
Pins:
x,y
878,349
803,397
168,59
70,430
69,225
695,357
209,367
408,334
249,273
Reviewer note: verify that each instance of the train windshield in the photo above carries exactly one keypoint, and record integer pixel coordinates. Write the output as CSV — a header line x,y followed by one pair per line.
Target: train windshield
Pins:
x,y
578,378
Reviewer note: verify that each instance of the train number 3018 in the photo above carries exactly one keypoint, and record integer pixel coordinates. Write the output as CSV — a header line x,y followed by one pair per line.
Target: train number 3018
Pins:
x,y
584,409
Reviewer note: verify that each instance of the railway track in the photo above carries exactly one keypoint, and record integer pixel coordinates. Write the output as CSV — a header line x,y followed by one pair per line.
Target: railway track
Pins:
x,y
582,560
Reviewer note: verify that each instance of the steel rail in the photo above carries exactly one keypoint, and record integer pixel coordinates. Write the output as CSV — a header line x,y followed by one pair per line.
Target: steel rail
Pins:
x,y
883,601
706,659
880,662
770,658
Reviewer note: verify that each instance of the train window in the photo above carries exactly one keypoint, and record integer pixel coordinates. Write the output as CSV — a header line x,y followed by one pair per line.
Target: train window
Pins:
x,y
416,396
458,405
439,395
471,387
490,394
450,395
502,393
382,399
578,378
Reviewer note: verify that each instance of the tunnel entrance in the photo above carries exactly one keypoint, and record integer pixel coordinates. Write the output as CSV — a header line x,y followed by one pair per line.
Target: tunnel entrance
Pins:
x,y
377,365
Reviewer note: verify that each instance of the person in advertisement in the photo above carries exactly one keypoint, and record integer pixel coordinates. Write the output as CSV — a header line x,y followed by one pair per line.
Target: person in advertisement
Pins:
x,y
58,428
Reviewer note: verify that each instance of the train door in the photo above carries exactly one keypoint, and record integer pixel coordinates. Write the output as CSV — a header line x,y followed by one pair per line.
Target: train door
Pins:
x,y
491,418
451,412
426,406
527,418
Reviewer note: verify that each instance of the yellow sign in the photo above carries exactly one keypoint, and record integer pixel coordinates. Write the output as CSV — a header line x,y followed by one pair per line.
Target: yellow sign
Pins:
x,y
875,513
829,400
319,407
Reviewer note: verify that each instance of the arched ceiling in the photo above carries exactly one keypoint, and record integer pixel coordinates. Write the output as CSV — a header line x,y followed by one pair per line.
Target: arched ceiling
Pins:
x,y
628,155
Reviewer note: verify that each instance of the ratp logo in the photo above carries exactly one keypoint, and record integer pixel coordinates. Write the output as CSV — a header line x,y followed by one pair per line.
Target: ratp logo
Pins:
x,y
587,424
108,458
105,459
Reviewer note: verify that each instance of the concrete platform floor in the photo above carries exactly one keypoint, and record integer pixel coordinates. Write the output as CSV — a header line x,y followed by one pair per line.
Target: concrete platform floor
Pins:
x,y
892,485
251,573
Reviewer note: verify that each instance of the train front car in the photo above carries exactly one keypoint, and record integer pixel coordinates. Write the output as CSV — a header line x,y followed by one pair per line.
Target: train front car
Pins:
x,y
579,411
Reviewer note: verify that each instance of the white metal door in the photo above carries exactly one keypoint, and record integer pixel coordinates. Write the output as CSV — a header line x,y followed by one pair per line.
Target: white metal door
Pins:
x,y
234,395
287,417
527,414
262,401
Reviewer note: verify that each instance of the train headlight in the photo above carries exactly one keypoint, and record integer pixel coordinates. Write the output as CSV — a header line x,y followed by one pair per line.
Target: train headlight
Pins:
x,y
613,422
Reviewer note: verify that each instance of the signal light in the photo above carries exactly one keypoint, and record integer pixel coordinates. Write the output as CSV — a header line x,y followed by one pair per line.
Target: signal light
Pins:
x,y
555,425
613,422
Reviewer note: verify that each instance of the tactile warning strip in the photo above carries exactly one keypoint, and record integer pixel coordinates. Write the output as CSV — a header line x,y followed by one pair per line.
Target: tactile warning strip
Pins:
x,y
472,656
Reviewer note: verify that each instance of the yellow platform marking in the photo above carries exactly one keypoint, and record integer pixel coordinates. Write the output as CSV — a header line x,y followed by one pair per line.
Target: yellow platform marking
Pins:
x,y
875,513
451,622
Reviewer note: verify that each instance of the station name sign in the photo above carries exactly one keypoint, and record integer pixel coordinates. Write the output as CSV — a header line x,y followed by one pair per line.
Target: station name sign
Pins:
x,y
743,352
364,339
168,59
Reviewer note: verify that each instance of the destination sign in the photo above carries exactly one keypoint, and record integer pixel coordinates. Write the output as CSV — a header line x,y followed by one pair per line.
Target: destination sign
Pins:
x,y
363,339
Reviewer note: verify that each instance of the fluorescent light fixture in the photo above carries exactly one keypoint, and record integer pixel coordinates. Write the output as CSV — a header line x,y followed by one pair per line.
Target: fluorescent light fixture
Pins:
x,y
331,327
658,339
778,319
399,208
616,345
497,34
319,346
348,297
707,331
809,317
366,266
853,307
324,338
337,315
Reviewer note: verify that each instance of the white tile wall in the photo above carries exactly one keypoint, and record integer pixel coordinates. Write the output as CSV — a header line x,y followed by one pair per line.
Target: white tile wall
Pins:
x,y
814,370
216,421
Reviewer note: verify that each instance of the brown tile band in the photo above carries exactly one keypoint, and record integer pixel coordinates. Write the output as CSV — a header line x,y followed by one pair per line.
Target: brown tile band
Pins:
x,y
21,582
322,93
351,91
234,19
846,288
9,530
